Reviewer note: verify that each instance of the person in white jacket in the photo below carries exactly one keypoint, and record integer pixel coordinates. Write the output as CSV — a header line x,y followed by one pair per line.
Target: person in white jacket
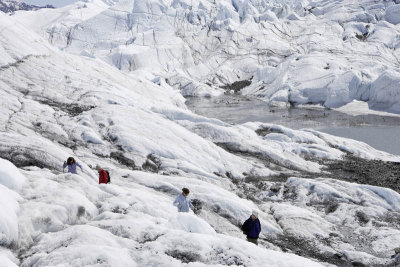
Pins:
x,y
183,202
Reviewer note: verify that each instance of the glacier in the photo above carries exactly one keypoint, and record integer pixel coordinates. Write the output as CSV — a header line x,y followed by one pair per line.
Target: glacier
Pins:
x,y
104,82
286,52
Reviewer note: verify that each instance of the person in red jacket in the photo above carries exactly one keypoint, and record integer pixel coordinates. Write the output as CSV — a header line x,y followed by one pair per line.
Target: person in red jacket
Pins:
x,y
103,175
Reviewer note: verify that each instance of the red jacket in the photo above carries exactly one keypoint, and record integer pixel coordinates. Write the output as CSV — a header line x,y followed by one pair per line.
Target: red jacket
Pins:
x,y
103,176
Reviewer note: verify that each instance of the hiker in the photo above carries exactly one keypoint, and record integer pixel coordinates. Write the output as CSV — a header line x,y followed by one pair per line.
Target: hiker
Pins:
x,y
71,163
183,202
252,228
104,176
396,256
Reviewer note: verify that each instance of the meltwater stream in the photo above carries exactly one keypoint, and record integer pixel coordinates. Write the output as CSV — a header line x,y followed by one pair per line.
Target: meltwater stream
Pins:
x,y
380,132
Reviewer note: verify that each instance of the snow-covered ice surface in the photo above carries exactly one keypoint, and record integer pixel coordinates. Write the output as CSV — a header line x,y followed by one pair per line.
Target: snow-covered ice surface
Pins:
x,y
136,125
315,52
359,107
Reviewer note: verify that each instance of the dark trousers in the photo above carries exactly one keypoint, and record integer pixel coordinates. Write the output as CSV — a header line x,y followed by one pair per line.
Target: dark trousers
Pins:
x,y
253,240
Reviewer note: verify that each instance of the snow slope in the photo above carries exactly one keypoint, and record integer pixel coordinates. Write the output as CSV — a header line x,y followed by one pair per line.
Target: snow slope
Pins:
x,y
297,52
61,19
55,105
58,105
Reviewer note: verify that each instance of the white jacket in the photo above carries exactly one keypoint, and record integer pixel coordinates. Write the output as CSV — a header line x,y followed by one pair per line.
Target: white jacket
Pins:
x,y
183,203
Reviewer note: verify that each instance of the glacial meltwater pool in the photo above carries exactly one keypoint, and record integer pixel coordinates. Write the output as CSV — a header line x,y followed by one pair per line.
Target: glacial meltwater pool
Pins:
x,y
380,132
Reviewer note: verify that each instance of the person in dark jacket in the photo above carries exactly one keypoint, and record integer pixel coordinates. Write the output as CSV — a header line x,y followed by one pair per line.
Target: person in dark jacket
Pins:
x,y
252,228
71,163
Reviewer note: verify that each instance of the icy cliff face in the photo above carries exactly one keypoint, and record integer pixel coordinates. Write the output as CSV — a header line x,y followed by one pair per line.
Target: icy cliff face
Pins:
x,y
135,124
297,52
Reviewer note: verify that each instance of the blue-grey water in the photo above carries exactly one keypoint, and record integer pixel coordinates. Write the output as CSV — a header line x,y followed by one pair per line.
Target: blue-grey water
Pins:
x,y
380,132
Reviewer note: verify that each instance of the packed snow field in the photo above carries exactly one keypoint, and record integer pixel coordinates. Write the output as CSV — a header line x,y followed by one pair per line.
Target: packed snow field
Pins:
x,y
135,124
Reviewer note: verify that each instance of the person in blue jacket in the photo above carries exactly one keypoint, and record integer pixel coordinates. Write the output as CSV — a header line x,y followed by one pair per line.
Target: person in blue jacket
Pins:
x,y
252,228
183,202
71,163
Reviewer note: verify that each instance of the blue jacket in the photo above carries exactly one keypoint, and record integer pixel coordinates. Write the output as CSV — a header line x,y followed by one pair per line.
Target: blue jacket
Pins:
x,y
252,228
72,168
183,203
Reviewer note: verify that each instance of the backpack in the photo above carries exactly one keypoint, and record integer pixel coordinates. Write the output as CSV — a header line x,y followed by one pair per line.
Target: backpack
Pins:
x,y
104,177
109,178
